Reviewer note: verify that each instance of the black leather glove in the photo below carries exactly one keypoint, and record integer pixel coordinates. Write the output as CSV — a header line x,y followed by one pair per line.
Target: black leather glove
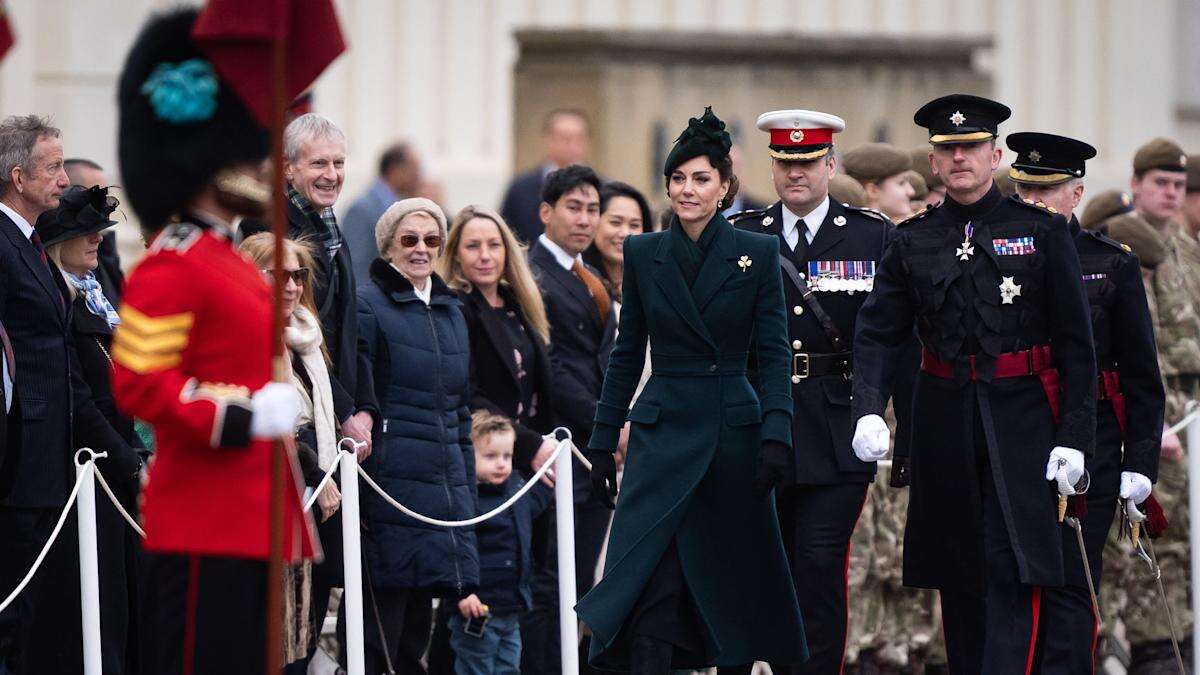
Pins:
x,y
604,476
776,466
899,477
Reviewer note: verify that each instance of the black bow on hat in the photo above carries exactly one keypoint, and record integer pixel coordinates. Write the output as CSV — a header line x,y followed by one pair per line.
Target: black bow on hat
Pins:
x,y
80,211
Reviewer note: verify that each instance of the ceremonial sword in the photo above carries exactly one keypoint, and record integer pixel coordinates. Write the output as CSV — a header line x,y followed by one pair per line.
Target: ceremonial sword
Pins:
x,y
1134,519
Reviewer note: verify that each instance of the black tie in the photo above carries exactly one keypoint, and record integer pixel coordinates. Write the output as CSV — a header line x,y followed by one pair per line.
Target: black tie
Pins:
x,y
801,249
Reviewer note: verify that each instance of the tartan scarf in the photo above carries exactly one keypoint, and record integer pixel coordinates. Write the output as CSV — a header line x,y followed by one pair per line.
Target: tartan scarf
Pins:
x,y
331,236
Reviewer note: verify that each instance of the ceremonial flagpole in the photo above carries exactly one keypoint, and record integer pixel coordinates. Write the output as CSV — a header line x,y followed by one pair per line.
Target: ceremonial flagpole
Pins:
x,y
278,448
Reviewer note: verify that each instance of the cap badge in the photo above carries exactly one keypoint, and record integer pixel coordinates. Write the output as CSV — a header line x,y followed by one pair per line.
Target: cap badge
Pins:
x,y
1035,156
958,118
767,220
745,262
1183,160
797,135
1009,289
1125,199
839,220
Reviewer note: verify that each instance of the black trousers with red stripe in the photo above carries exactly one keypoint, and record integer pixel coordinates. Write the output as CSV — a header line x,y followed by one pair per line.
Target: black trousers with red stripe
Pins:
x,y
204,615
993,630
816,522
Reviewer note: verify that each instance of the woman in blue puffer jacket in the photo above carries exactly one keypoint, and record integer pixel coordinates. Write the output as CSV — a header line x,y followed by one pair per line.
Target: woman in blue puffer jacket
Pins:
x,y
412,331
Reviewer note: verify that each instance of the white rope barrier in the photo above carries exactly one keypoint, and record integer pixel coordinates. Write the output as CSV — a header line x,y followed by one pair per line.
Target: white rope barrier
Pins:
x,y
329,472
562,445
49,542
117,503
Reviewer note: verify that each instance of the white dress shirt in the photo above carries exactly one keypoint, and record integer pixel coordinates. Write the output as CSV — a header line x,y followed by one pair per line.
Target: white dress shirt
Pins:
x,y
22,224
812,220
560,255
8,385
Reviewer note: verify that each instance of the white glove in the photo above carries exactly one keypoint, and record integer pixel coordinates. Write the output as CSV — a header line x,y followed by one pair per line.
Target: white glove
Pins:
x,y
1066,467
1135,486
276,408
871,438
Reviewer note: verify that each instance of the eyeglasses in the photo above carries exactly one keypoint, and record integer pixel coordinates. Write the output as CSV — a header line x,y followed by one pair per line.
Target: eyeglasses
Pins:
x,y
299,276
431,240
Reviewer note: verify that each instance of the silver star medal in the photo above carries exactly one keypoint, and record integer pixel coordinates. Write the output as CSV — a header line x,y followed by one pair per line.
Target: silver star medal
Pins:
x,y
967,249
1009,289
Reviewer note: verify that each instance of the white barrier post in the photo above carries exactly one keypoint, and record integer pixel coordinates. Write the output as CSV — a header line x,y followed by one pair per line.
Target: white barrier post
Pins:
x,y
564,500
352,595
89,574
1193,465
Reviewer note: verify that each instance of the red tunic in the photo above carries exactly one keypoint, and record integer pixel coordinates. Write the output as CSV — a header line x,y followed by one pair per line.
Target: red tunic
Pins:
x,y
193,345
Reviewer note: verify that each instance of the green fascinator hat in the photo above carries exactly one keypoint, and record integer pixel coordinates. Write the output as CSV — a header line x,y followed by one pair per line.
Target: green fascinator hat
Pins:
x,y
705,136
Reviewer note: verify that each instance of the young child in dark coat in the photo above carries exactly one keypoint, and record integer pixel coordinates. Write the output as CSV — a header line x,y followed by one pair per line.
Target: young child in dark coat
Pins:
x,y
485,634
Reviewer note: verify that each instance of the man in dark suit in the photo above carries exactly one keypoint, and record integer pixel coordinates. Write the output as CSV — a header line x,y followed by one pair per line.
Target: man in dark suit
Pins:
x,y
51,412
582,328
314,169
828,255
566,137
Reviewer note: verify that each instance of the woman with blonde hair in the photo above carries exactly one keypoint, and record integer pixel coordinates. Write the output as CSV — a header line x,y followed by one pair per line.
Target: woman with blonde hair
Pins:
x,y
508,329
316,428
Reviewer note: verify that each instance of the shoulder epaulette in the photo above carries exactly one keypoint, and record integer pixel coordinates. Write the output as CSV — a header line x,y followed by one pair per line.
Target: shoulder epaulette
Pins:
x,y
1040,206
878,215
1109,241
749,213
178,237
918,215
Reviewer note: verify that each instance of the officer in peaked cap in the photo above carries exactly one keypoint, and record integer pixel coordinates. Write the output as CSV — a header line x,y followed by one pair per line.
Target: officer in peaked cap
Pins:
x,y
828,255
1001,422
1049,169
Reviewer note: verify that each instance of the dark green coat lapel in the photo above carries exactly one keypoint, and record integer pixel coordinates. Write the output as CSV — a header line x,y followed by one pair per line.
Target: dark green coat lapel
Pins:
x,y
669,279
718,264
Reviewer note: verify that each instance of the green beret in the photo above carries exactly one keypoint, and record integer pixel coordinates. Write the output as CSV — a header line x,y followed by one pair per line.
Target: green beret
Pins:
x,y
1103,206
920,164
873,162
1142,239
705,136
917,181
846,190
1193,173
1159,153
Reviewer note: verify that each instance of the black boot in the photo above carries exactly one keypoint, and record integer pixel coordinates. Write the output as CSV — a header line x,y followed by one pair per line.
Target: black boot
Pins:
x,y
650,656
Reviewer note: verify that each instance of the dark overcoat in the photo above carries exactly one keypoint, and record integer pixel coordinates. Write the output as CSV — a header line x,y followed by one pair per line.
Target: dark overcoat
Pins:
x,y
1124,338
695,438
422,456
961,317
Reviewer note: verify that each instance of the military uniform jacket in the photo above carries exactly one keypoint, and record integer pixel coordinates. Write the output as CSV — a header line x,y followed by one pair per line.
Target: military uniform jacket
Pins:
x,y
1124,339
193,345
1017,288
843,256
695,436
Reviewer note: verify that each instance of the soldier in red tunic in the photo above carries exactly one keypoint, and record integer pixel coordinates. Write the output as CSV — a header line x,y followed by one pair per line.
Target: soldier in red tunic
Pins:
x,y
193,358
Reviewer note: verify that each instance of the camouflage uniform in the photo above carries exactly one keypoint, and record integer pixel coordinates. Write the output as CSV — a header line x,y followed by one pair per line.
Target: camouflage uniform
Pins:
x,y
898,626
1132,598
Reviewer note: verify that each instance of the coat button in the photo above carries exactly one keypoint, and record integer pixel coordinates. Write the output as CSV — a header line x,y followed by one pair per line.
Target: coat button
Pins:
x,y
712,368
796,344
581,326
802,275
797,310
795,379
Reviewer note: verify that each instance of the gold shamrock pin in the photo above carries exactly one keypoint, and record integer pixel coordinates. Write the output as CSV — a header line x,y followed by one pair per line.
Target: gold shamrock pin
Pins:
x,y
745,262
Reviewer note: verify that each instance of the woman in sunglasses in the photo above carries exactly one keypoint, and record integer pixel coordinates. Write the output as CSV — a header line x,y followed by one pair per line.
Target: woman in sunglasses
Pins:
x,y
412,332
316,427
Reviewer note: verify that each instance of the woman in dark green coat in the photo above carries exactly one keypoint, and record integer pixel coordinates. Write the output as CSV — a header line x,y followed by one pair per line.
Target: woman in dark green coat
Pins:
x,y
695,574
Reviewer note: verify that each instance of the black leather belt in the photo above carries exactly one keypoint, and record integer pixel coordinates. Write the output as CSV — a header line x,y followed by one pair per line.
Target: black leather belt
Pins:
x,y
806,365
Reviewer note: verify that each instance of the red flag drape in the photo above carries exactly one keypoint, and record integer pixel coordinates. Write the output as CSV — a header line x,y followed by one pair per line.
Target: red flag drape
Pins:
x,y
7,36
237,36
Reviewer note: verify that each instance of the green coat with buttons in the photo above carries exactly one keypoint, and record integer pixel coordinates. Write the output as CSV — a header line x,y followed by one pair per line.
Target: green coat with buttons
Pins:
x,y
693,446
